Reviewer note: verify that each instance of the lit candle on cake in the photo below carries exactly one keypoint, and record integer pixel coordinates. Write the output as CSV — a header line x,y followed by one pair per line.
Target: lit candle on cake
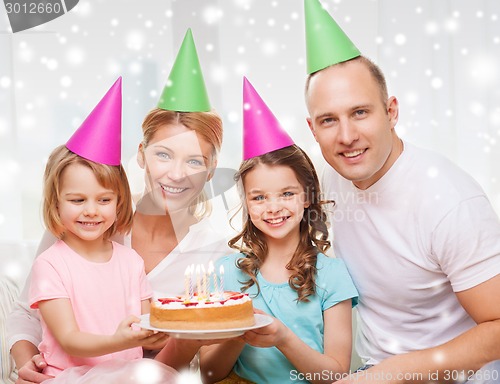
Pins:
x,y
204,280
213,275
191,281
198,280
187,283
221,273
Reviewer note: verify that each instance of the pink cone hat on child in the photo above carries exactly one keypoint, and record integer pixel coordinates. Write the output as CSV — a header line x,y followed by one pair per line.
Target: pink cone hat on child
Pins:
x,y
262,133
99,137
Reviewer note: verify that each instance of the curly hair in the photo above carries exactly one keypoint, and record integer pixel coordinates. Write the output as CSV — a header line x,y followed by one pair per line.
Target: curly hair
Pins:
x,y
313,227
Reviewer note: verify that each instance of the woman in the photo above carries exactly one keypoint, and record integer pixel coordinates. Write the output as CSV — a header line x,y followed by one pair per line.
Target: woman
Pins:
x,y
171,228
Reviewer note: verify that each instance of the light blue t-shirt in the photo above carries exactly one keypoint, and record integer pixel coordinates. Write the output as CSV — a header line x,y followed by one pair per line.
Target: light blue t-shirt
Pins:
x,y
269,365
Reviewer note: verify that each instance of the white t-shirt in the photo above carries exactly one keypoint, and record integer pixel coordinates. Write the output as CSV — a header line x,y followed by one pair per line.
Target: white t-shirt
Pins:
x,y
422,232
201,244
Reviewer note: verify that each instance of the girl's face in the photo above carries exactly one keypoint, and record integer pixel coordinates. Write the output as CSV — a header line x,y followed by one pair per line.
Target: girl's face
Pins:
x,y
86,209
177,163
276,201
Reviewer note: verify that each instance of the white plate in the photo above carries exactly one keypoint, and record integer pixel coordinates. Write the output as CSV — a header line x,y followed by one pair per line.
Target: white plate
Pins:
x,y
208,334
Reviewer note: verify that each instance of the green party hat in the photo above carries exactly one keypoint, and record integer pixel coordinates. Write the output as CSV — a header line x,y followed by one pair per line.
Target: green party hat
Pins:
x,y
326,43
185,90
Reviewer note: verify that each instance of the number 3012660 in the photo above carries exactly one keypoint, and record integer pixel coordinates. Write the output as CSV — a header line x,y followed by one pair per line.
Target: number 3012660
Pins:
x,y
34,8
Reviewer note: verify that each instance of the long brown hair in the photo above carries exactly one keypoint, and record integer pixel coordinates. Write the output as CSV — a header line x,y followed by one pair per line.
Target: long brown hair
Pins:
x,y
313,228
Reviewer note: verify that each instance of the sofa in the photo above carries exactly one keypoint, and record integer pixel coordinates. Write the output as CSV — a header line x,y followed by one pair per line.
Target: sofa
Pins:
x,y
16,259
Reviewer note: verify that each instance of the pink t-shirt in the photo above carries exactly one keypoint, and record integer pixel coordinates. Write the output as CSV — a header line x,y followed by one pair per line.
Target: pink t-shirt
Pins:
x,y
102,295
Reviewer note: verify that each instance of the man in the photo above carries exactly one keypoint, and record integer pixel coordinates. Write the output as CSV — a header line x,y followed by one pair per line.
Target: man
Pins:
x,y
417,234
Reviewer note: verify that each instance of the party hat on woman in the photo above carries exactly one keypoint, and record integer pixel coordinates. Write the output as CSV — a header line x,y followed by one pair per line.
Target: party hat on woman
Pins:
x,y
99,137
262,133
326,42
185,90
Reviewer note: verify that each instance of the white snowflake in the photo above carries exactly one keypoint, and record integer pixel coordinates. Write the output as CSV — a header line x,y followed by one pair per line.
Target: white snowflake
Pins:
x,y
433,172
241,68
66,81
5,82
451,25
477,109
218,74
212,15
83,8
75,55
269,47
432,28
484,70
411,98
135,40
400,39
52,64
233,117
3,127
436,83
135,68
245,4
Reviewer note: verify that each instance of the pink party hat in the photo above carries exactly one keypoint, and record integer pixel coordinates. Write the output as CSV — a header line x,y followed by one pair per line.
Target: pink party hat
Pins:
x,y
99,137
262,133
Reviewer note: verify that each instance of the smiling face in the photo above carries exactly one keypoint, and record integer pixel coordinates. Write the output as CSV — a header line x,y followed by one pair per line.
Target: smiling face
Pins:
x,y
352,122
177,163
86,209
275,200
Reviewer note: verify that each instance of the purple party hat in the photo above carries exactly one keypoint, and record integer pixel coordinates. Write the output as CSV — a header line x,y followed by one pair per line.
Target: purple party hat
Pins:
x,y
262,133
99,137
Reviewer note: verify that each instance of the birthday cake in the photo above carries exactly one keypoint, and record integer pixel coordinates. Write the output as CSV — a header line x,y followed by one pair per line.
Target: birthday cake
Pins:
x,y
225,310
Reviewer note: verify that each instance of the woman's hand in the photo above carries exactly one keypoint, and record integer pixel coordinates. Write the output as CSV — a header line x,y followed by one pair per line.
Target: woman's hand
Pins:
x,y
157,342
31,372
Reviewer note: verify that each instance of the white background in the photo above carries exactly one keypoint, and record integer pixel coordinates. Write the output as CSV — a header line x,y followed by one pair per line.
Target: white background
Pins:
x,y
441,58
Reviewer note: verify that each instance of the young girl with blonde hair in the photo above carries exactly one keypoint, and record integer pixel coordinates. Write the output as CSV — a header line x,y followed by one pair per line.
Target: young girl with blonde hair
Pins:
x,y
89,290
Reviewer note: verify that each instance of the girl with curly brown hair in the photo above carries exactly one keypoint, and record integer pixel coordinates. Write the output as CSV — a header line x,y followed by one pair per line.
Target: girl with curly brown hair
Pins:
x,y
282,266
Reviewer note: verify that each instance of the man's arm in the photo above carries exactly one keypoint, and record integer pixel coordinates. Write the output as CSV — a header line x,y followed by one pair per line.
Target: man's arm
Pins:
x,y
23,324
24,334
462,355
23,329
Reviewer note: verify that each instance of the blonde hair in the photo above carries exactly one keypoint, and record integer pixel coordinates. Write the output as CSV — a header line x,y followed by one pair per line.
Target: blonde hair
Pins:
x,y
111,177
313,227
206,124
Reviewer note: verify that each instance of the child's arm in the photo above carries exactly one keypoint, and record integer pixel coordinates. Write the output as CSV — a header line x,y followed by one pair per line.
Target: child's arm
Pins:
x,y
162,339
217,361
145,306
59,317
337,344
